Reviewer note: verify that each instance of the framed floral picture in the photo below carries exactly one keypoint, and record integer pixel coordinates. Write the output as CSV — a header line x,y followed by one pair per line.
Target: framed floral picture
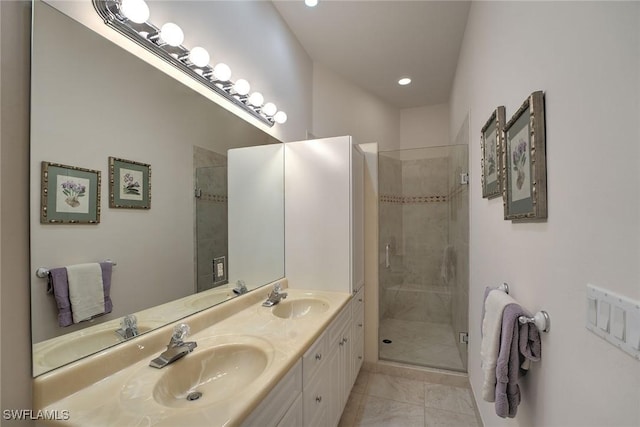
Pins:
x,y
491,141
69,195
525,166
129,184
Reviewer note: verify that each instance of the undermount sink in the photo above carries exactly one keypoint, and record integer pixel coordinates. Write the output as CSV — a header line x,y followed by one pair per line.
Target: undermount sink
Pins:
x,y
300,308
219,368
73,348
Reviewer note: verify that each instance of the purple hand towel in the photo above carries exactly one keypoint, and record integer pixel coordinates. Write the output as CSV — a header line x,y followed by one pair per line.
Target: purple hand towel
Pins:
x,y
107,267
517,344
60,286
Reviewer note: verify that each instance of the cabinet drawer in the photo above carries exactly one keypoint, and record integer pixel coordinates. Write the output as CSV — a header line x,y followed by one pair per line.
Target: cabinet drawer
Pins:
x,y
293,417
271,410
314,357
315,402
335,332
357,303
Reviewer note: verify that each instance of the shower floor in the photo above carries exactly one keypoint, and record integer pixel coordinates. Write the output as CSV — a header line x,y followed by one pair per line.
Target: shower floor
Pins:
x,y
419,343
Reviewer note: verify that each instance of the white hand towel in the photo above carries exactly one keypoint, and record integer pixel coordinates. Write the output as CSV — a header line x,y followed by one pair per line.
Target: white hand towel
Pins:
x,y
489,348
86,292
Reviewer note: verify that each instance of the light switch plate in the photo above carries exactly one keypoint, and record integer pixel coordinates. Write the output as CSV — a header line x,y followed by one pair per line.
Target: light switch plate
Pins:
x,y
604,309
617,319
618,322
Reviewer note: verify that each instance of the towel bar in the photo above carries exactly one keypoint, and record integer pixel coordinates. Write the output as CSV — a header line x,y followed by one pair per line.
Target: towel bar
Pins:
x,y
43,272
541,318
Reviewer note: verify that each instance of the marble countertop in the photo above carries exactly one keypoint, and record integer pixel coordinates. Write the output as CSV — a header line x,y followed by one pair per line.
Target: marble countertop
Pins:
x,y
125,396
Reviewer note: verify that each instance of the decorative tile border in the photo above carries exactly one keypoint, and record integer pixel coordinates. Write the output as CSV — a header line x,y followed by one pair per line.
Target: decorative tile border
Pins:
x,y
406,200
215,198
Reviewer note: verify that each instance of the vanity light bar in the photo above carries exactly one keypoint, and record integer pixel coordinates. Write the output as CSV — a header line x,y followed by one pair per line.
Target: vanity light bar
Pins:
x,y
147,35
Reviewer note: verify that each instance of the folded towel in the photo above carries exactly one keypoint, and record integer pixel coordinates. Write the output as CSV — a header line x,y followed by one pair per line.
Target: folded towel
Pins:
x,y
59,285
494,305
107,268
518,344
86,291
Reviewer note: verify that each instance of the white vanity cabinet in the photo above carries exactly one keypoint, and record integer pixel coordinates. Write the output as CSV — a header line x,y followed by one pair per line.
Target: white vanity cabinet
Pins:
x,y
324,214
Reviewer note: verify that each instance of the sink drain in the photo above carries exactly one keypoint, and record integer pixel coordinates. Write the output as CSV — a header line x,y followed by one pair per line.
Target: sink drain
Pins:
x,y
387,341
194,395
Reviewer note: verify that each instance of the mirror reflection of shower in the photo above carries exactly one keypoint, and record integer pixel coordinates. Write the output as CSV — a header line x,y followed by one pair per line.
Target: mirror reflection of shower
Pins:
x,y
423,248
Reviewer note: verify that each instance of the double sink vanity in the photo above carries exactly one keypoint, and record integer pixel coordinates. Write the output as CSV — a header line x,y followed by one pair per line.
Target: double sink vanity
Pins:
x,y
290,364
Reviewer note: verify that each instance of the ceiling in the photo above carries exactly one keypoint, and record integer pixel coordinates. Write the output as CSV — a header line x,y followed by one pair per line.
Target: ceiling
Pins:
x,y
375,43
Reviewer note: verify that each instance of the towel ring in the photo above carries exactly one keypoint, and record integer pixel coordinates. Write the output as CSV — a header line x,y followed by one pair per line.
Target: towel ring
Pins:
x,y
43,272
541,320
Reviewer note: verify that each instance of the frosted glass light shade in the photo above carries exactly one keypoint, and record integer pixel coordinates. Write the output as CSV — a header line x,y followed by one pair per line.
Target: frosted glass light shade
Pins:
x,y
269,109
404,81
222,72
171,34
199,56
256,99
135,10
241,87
280,117
311,3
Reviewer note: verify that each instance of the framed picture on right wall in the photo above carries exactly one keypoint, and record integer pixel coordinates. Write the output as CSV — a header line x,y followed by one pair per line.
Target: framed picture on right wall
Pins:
x,y
525,166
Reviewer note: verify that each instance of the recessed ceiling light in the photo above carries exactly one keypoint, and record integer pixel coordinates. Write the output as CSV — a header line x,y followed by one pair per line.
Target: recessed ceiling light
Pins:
x,y
404,81
311,3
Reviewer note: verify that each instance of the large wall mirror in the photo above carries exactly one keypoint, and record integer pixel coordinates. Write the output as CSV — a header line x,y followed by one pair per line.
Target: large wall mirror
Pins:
x,y
217,195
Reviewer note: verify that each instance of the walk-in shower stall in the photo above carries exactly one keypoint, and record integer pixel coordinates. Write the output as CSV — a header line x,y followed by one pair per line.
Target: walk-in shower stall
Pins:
x,y
424,246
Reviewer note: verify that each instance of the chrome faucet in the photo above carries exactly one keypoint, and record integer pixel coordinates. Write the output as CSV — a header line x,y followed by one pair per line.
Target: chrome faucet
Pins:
x,y
241,288
176,349
128,327
275,296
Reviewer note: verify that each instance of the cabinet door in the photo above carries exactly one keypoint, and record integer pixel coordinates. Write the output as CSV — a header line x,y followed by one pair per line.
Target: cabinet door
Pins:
x,y
316,404
294,416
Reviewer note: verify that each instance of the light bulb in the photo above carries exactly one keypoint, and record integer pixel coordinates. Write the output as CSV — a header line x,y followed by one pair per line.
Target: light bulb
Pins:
x,y
242,87
404,81
280,117
256,99
269,109
311,3
171,34
222,72
135,10
199,56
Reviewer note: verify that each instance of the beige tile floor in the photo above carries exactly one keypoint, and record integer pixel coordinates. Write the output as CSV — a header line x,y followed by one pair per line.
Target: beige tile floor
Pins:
x,y
420,343
379,400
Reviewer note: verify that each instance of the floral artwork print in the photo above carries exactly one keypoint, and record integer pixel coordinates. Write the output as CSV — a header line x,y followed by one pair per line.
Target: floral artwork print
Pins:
x,y
72,194
490,162
130,185
131,182
520,176
73,191
519,161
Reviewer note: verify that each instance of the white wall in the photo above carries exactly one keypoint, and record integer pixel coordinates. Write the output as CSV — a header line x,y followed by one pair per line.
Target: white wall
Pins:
x,y
426,126
342,108
586,57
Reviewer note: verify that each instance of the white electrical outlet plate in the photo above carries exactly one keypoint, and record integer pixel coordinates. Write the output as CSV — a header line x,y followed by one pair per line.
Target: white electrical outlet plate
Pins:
x,y
614,318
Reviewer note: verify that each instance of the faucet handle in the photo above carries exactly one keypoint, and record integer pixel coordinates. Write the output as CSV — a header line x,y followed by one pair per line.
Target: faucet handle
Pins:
x,y
277,288
129,321
180,332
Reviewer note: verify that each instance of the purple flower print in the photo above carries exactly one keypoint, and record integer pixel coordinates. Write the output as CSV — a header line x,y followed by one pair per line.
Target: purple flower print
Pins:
x,y
130,186
73,191
519,156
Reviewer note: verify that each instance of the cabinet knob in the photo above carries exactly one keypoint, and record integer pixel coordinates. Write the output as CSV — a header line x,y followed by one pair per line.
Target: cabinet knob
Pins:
x,y
318,356
318,399
360,357
360,325
359,299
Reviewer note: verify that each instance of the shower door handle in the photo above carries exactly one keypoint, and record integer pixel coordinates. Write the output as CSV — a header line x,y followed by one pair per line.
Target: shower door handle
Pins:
x,y
387,263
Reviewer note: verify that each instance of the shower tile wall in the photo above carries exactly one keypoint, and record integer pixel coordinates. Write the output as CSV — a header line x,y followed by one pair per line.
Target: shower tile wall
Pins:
x,y
211,223
414,219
